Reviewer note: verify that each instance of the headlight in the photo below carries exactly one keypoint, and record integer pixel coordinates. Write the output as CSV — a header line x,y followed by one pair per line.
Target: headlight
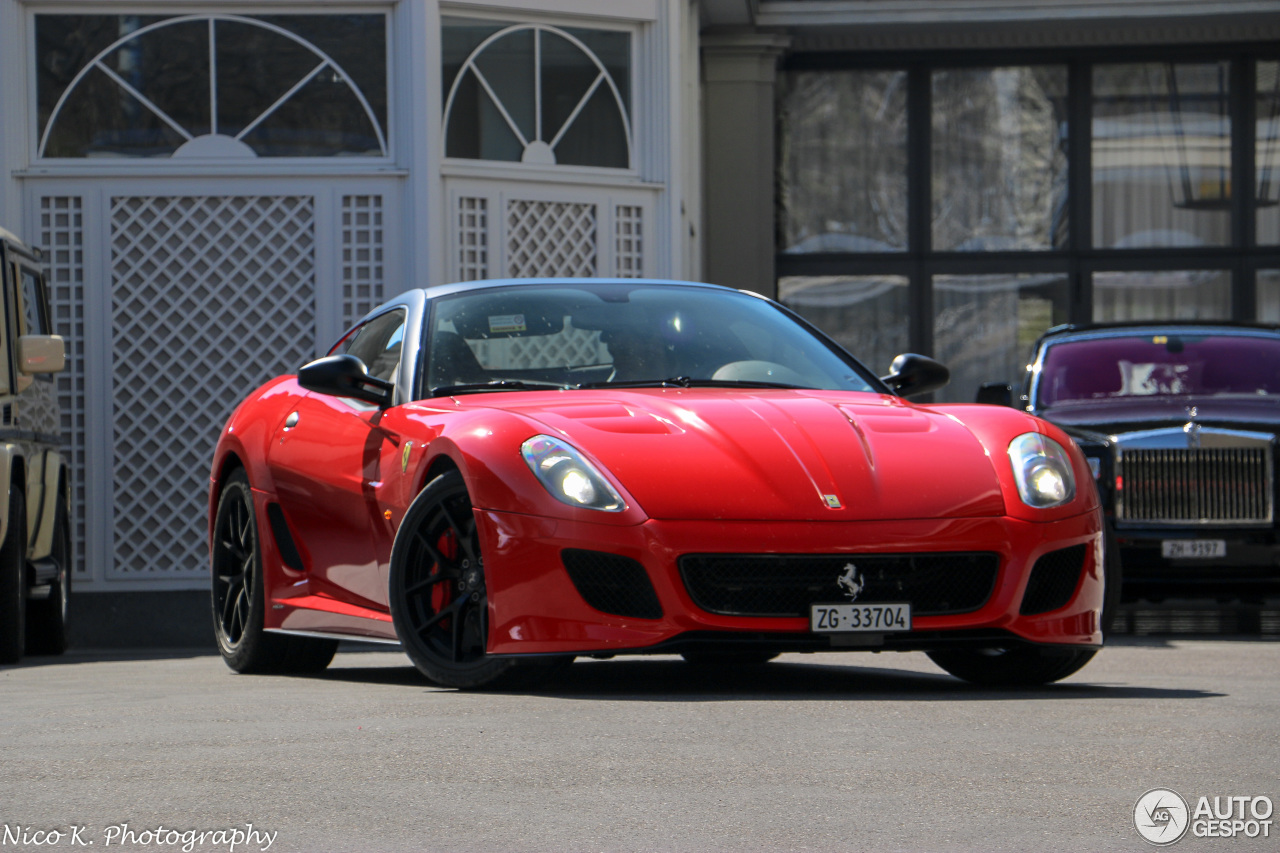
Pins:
x,y
567,476
1042,469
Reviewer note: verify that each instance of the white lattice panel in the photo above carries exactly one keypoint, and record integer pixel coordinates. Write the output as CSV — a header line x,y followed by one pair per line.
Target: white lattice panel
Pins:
x,y
628,241
210,296
472,237
62,238
551,238
363,246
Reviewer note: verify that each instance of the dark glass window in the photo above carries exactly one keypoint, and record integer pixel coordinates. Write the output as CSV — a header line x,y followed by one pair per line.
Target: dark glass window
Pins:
x,y
960,204
843,176
999,158
213,86
985,325
537,94
1161,155
866,315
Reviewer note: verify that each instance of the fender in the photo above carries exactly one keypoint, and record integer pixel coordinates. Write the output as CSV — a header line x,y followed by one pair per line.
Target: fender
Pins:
x,y
55,470
501,480
9,455
995,427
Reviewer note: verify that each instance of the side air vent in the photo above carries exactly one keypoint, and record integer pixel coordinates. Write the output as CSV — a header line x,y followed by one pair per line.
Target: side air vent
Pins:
x,y
612,584
1053,580
284,539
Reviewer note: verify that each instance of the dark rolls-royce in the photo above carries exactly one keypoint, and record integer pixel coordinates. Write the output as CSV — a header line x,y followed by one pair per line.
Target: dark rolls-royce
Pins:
x,y
1179,422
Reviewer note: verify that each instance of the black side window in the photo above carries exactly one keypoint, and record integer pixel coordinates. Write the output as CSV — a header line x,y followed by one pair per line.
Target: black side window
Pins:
x,y
33,304
378,343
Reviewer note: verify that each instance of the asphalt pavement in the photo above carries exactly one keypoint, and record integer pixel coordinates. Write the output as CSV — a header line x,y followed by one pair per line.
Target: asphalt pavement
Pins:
x,y
829,752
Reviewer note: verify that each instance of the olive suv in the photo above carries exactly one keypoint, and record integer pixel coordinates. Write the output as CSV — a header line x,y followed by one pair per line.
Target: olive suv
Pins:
x,y
35,532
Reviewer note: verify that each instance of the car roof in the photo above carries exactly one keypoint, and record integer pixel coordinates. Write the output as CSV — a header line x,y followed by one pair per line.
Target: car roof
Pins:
x,y
1087,331
484,284
9,237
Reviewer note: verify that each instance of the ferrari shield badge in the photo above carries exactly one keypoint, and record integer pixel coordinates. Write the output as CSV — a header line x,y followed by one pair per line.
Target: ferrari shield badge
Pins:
x,y
404,456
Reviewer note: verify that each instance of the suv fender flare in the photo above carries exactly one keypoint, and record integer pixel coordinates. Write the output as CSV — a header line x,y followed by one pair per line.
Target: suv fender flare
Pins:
x,y
9,455
55,475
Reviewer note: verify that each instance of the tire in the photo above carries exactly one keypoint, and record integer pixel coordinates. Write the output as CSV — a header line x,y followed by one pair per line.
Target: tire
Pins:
x,y
47,618
728,658
439,601
1113,580
1017,666
239,595
13,581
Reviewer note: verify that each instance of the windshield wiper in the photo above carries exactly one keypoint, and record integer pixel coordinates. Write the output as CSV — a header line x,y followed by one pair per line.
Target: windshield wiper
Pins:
x,y
687,382
496,385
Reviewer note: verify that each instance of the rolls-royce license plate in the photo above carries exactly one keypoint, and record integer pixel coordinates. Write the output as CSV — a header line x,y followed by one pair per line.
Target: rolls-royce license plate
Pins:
x,y
843,618
1193,549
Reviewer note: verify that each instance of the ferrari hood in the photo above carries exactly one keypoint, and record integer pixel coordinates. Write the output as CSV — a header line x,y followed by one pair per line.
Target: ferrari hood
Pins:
x,y
776,455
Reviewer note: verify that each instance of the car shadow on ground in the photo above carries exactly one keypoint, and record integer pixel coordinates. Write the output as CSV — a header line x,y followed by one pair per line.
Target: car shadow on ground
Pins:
x,y
668,680
80,656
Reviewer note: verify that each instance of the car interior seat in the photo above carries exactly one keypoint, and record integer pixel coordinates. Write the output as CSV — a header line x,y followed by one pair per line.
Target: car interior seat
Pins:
x,y
452,362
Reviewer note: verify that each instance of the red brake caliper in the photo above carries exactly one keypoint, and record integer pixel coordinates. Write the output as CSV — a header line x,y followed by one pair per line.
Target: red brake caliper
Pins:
x,y
442,593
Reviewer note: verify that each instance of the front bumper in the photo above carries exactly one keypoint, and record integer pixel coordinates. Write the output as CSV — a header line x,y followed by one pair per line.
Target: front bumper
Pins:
x,y
536,609
1250,567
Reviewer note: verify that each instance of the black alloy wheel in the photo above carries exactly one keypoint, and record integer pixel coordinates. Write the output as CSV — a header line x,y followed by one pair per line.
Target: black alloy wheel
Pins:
x,y
13,581
239,595
47,618
439,601
1015,666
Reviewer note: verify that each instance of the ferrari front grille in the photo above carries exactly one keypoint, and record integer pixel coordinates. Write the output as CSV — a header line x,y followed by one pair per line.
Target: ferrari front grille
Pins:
x,y
1053,581
787,584
612,584
1196,485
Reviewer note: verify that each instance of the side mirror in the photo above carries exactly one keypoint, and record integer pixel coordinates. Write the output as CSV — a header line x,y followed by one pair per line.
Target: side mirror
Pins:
x,y
345,376
995,394
41,354
912,373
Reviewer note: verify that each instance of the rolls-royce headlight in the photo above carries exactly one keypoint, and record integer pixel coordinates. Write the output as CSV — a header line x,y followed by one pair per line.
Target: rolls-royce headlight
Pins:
x,y
1042,470
569,477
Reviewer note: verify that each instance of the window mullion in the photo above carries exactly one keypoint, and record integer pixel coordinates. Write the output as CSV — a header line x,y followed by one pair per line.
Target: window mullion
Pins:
x,y
920,204
1080,188
1244,200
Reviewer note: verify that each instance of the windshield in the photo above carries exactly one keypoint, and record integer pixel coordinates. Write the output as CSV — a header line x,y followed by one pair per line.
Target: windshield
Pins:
x,y
592,335
1158,365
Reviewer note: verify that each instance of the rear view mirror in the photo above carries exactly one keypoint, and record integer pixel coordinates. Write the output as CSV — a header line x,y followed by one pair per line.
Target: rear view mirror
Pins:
x,y
345,376
41,354
912,373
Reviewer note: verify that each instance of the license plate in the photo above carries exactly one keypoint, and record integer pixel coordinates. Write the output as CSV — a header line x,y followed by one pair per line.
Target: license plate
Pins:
x,y
1194,549
843,618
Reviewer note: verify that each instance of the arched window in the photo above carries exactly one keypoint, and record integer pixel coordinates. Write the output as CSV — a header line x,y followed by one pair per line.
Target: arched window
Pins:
x,y
212,86
537,94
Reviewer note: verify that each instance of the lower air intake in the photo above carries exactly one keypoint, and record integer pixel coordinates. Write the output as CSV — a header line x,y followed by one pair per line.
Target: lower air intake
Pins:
x,y
1053,581
612,584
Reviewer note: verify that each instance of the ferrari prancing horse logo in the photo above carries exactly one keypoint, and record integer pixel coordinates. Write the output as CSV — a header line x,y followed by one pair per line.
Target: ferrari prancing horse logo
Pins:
x,y
852,581
404,456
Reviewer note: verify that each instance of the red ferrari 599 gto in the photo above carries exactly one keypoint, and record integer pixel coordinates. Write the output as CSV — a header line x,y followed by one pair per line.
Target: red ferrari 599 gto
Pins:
x,y
503,475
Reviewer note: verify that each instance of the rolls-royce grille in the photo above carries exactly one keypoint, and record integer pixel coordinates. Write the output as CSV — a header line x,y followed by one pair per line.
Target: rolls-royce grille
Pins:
x,y
1204,485
786,584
